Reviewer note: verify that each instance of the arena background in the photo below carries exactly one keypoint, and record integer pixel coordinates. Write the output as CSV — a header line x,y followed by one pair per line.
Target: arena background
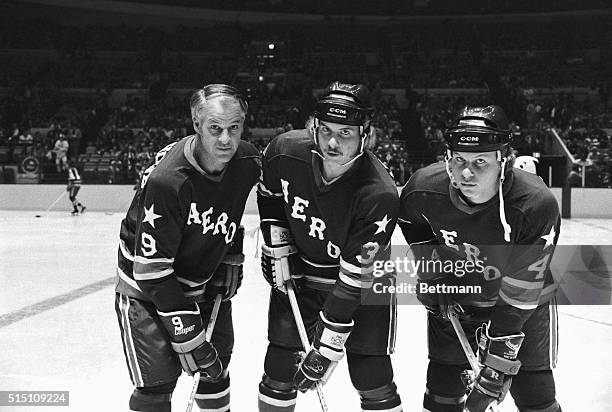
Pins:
x,y
111,78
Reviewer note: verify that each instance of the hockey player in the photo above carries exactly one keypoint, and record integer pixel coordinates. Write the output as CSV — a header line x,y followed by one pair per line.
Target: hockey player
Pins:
x,y
328,207
73,187
476,211
180,245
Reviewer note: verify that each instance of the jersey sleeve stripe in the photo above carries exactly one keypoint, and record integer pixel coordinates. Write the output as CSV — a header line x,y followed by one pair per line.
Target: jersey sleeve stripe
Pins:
x,y
518,304
193,293
520,294
356,283
125,251
152,275
125,278
147,261
189,283
524,284
316,265
357,270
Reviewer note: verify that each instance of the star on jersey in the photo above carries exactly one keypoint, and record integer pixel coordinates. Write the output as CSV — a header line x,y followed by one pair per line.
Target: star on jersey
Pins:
x,y
549,238
382,225
150,216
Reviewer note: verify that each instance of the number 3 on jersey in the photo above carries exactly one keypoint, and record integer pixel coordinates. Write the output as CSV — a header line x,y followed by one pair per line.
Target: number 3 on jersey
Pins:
x,y
370,249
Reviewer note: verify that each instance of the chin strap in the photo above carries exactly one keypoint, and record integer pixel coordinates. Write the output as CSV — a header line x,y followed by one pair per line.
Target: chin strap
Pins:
x,y
502,211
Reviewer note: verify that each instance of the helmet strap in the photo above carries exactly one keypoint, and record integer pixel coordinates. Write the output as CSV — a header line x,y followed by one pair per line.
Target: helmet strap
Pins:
x,y
502,211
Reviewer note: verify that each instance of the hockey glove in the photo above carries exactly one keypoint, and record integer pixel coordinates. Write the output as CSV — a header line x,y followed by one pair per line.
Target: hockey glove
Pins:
x,y
188,339
436,303
228,277
276,253
327,350
499,358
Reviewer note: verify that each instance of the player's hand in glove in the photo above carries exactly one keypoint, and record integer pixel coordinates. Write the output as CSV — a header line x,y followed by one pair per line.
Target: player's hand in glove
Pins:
x,y
327,350
437,303
228,277
498,356
187,336
276,253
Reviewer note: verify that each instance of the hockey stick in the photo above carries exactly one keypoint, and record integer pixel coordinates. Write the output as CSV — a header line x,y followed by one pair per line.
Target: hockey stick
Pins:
x,y
209,332
60,197
467,349
303,336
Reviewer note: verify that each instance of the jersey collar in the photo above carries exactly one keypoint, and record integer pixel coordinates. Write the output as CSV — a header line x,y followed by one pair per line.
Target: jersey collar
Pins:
x,y
320,183
188,152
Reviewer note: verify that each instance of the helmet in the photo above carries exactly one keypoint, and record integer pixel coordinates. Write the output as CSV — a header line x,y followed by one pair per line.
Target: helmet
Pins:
x,y
345,104
479,129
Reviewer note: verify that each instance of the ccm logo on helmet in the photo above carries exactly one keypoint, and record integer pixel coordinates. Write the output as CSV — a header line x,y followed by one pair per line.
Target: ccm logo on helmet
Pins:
x,y
337,110
469,139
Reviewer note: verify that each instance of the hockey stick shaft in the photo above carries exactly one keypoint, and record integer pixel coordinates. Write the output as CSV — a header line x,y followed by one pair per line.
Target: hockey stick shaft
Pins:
x,y
56,200
467,349
304,337
209,331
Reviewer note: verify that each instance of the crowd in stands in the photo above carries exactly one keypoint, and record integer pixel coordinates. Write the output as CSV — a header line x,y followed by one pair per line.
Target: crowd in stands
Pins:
x,y
138,128
114,144
102,56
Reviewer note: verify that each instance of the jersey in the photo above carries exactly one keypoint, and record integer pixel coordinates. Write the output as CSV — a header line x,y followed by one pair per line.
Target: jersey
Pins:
x,y
74,178
180,224
338,228
514,274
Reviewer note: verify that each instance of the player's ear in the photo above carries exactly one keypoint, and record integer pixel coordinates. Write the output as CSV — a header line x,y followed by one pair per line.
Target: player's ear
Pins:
x,y
369,137
196,125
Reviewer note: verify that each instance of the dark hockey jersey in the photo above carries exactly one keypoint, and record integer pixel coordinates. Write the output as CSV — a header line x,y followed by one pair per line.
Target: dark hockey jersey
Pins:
x,y
181,222
74,178
339,228
514,273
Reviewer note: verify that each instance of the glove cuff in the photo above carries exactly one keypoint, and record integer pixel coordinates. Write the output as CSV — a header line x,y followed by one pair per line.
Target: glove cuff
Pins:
x,y
276,232
333,338
279,251
190,345
500,352
182,325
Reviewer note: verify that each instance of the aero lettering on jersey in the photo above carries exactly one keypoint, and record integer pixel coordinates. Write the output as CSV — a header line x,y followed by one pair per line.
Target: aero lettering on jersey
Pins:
x,y
220,226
